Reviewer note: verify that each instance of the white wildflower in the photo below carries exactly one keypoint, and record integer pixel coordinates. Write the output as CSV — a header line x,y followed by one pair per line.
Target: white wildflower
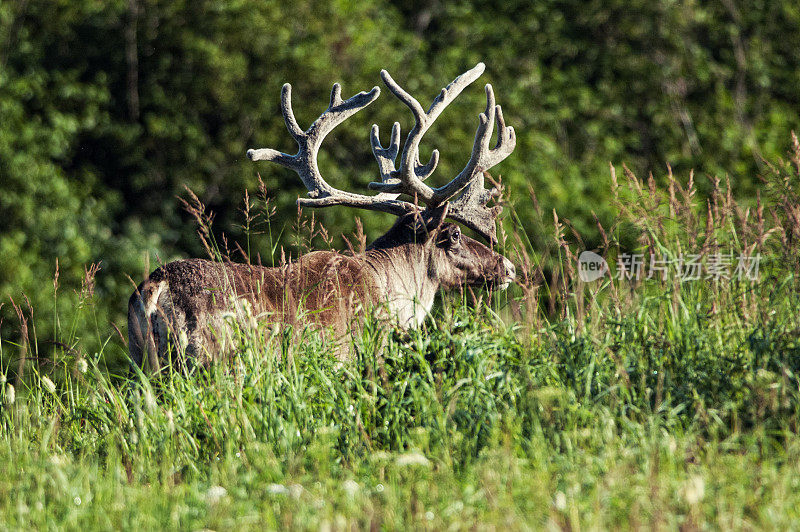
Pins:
x,y
411,459
77,501
380,456
295,490
48,385
277,489
215,494
10,394
560,501
694,489
379,488
429,515
454,509
350,487
672,445
83,366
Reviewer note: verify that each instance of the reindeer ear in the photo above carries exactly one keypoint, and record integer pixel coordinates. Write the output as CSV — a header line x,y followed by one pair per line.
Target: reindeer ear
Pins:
x,y
434,218
425,223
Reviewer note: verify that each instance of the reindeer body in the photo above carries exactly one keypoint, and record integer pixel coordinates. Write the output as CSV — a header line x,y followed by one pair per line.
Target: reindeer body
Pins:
x,y
184,309
185,304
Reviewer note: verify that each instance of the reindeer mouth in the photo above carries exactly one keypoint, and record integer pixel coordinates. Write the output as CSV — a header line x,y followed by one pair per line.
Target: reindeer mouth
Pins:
x,y
511,274
499,279
494,284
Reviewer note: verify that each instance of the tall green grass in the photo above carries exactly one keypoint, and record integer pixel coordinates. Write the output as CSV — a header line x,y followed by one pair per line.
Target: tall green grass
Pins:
x,y
562,404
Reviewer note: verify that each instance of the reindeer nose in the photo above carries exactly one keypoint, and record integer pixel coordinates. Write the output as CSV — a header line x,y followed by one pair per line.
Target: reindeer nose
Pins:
x,y
511,271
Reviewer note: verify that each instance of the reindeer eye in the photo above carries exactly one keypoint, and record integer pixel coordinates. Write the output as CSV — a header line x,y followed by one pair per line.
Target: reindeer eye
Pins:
x,y
455,237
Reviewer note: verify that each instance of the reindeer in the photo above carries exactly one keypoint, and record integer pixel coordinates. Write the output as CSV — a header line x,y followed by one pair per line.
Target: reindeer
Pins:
x,y
180,311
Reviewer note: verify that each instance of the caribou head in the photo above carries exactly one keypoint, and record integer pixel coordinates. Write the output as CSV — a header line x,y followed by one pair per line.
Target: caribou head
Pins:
x,y
452,258
180,311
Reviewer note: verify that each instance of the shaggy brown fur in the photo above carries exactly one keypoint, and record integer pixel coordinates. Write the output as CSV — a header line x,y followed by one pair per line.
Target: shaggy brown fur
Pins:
x,y
180,311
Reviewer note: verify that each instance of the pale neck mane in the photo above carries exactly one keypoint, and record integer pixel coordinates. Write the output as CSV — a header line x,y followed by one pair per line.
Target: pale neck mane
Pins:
x,y
404,282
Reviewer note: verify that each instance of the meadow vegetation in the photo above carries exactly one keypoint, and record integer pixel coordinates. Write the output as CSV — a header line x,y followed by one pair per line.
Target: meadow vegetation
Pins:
x,y
560,404
618,403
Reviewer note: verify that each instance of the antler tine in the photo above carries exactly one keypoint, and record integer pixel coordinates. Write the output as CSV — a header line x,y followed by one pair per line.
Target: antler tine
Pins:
x,y
482,157
288,114
304,162
409,178
386,156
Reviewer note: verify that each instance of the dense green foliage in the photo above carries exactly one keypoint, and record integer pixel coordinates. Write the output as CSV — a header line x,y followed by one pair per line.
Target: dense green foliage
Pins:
x,y
613,404
107,109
